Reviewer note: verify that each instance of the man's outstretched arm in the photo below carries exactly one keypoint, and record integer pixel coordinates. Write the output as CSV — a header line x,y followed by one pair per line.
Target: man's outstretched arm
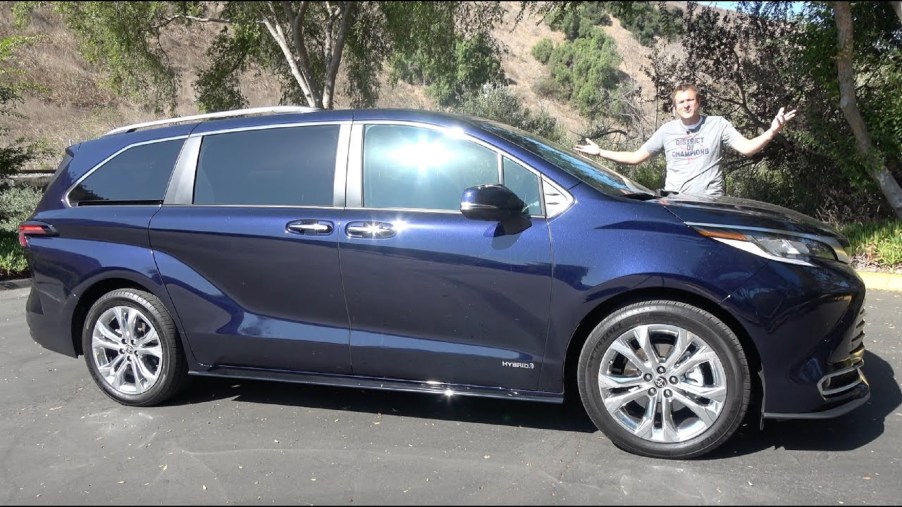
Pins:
x,y
751,146
623,157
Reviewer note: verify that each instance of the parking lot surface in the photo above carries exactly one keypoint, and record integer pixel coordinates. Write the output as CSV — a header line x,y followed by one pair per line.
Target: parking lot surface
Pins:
x,y
254,442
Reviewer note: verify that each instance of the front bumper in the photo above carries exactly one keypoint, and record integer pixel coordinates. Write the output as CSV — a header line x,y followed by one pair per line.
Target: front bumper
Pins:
x,y
807,325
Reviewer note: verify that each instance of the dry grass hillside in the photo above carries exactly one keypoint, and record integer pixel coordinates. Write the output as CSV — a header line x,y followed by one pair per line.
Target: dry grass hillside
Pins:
x,y
74,104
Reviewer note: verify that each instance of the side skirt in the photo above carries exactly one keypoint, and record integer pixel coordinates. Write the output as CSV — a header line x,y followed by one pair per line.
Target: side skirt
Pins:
x,y
448,390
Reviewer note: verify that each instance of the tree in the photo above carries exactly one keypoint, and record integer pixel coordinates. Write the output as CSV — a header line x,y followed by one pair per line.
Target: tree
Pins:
x,y
16,153
304,43
848,104
17,201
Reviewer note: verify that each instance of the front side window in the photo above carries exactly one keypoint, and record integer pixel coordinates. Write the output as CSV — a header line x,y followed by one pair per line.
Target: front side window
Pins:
x,y
290,166
138,175
419,168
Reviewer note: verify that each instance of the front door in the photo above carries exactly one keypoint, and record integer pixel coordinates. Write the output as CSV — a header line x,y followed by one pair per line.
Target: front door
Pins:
x,y
434,296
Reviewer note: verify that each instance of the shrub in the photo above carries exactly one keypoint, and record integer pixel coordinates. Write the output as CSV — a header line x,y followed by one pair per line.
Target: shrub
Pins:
x,y
586,70
476,62
548,87
16,204
12,257
542,50
497,102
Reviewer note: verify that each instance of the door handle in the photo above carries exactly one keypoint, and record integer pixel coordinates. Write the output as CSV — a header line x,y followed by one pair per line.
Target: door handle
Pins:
x,y
371,230
310,226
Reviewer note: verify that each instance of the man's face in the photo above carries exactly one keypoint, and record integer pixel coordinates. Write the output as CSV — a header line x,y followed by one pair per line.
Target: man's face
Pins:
x,y
686,105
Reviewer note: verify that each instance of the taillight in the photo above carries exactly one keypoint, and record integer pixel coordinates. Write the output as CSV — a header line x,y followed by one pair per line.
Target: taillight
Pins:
x,y
26,230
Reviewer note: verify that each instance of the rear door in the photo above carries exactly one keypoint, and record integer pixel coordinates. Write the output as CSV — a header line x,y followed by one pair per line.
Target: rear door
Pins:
x,y
434,296
249,253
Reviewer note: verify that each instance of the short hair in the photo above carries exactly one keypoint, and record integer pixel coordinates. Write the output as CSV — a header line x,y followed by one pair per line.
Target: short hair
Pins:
x,y
682,88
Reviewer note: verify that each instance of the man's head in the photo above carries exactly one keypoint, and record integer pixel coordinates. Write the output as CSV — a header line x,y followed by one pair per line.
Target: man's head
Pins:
x,y
686,103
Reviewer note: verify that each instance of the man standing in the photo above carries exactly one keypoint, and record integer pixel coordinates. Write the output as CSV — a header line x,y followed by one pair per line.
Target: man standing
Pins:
x,y
692,145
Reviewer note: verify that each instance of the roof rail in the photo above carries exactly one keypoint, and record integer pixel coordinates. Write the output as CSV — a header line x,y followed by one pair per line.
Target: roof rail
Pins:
x,y
221,114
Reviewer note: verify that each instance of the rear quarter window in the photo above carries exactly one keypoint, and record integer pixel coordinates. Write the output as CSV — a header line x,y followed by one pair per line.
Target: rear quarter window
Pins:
x,y
138,175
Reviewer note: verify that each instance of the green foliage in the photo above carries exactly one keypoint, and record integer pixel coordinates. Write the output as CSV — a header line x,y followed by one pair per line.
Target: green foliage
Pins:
x,y
17,202
647,21
584,68
496,102
475,62
586,71
765,57
302,43
122,37
579,21
877,61
876,243
542,50
13,155
12,258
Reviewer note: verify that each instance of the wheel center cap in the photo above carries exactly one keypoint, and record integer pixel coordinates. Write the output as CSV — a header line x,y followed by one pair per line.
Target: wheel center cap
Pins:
x,y
131,350
660,382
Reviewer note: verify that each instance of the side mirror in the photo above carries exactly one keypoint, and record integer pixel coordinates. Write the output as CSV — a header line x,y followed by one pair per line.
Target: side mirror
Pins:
x,y
495,203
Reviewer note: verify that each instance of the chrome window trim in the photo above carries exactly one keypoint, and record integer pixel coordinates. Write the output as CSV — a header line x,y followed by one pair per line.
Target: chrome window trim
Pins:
x,y
338,194
181,184
270,126
89,172
339,185
354,179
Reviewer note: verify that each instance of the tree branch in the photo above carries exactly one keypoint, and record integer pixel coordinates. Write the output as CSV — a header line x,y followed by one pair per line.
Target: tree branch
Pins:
x,y
346,11
297,31
190,18
276,31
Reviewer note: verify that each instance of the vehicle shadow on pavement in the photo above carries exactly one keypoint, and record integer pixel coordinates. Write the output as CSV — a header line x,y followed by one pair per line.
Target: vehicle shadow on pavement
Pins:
x,y
568,417
847,432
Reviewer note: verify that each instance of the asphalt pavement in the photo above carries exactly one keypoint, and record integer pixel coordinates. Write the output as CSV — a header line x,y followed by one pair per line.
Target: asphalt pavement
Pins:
x,y
255,442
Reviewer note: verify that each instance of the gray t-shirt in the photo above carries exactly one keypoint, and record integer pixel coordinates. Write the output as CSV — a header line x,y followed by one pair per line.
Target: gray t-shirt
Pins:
x,y
693,156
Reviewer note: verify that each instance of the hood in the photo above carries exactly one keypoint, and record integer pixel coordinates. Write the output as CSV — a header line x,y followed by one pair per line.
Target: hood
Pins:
x,y
733,211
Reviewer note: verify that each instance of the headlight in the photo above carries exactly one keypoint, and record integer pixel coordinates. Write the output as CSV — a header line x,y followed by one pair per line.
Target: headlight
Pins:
x,y
779,247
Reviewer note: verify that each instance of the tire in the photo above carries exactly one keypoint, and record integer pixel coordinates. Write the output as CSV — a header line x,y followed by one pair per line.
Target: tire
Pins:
x,y
140,363
658,403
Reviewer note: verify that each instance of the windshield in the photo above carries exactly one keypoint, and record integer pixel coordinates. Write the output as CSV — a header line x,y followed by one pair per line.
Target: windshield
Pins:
x,y
598,177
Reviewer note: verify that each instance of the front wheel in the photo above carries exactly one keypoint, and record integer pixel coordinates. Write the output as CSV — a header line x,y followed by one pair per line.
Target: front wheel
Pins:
x,y
132,348
664,379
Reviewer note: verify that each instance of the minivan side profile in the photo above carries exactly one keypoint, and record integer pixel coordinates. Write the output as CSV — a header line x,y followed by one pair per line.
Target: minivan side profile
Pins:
x,y
430,252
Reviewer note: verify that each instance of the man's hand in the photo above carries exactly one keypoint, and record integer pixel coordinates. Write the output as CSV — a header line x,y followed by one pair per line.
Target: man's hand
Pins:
x,y
592,148
781,118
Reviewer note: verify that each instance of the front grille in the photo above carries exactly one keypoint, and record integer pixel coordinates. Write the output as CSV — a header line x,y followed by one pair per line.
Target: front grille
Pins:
x,y
846,373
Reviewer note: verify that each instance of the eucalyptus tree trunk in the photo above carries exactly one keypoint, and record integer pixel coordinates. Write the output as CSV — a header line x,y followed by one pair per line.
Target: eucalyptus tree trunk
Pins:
x,y
847,103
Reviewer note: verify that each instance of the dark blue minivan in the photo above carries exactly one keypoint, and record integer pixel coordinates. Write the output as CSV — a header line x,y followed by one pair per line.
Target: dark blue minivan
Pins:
x,y
419,251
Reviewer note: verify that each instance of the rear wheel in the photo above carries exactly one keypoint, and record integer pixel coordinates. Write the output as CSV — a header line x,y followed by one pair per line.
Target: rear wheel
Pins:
x,y
664,379
132,348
